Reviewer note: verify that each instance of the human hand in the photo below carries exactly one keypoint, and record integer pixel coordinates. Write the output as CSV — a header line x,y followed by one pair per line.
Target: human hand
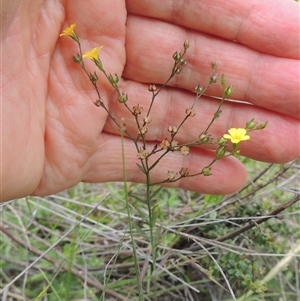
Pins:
x,y
54,137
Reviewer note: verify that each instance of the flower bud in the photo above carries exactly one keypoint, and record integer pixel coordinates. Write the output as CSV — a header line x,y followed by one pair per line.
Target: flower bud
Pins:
x,y
171,175
177,56
143,130
250,125
137,110
184,172
199,89
222,141
177,70
182,62
213,79
223,81
122,98
190,112
228,91
93,77
220,153
122,127
204,138
217,114
214,65
152,88
98,103
262,125
206,171
99,64
147,119
77,58
172,129
174,145
113,79
186,44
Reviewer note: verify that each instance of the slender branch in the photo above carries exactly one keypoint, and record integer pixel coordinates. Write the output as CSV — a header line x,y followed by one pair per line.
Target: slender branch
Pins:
x,y
252,224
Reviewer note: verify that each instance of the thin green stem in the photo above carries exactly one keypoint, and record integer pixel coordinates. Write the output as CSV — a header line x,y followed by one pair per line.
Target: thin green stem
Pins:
x,y
136,264
151,230
216,114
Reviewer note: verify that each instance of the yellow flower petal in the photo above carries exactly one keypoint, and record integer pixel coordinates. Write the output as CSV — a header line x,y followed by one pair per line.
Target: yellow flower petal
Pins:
x,y
226,136
93,54
69,31
236,135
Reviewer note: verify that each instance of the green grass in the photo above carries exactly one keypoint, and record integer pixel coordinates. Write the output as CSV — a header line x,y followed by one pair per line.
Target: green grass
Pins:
x,y
77,245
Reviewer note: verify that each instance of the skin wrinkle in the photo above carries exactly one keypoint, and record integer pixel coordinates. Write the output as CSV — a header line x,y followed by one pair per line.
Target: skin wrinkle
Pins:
x,y
100,163
8,8
83,142
251,80
282,85
42,52
62,168
240,27
177,10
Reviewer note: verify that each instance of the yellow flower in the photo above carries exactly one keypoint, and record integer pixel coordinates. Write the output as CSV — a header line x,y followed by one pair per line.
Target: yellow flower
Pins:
x,y
69,31
93,54
237,135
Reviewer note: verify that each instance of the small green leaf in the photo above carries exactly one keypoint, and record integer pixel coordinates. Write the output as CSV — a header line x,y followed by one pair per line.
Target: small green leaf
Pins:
x,y
141,168
153,194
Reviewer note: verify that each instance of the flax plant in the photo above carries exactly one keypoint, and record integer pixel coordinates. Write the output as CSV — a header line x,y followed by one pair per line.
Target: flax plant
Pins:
x,y
170,144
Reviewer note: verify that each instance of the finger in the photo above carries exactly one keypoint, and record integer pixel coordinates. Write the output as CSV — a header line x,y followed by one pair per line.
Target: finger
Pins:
x,y
106,165
267,26
263,80
278,142
228,175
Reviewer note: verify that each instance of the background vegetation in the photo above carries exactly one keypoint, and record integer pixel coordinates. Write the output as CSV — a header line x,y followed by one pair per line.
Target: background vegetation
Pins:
x,y
76,245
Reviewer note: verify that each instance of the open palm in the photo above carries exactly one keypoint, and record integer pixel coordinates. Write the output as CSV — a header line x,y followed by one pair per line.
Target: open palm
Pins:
x,y
54,136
